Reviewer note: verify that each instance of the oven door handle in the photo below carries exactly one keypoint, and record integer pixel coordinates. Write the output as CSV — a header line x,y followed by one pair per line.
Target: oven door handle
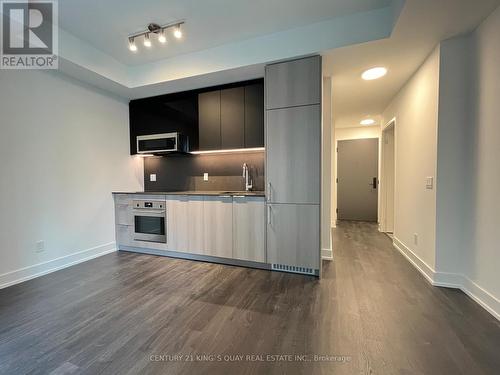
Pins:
x,y
154,213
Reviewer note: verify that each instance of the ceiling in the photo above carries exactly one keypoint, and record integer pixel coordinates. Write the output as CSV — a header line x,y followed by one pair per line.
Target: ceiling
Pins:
x,y
420,27
223,39
106,24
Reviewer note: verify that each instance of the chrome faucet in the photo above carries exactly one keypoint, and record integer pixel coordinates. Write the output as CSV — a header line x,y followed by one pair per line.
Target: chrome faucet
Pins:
x,y
248,180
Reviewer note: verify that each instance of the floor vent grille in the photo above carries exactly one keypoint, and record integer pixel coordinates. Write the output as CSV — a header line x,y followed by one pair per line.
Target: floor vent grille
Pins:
x,y
295,269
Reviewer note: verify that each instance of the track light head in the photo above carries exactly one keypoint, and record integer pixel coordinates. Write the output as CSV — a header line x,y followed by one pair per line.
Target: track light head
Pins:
x,y
178,32
131,45
147,40
161,37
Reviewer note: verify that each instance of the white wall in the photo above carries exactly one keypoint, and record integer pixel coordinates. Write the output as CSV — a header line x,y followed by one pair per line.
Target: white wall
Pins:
x,y
447,127
482,258
360,132
64,148
454,156
415,108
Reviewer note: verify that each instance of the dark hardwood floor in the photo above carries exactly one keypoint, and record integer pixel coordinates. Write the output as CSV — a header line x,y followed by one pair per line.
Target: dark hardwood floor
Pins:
x,y
124,313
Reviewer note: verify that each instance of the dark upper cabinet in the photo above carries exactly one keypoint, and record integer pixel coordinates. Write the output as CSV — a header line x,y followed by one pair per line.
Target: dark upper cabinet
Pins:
x,y
241,117
223,117
232,118
209,110
164,114
254,115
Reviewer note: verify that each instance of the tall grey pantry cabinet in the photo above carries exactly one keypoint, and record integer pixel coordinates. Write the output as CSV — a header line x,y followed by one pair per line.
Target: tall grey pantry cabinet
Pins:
x,y
293,164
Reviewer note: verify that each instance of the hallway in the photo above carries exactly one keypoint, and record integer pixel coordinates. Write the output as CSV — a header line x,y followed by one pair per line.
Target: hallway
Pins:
x,y
371,313
394,321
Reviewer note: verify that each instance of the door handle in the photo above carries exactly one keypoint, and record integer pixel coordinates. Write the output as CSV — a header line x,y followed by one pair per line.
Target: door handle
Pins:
x,y
269,192
374,182
269,222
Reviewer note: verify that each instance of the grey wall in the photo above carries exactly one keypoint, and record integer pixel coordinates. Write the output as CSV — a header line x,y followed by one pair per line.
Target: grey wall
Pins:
x,y
185,172
64,147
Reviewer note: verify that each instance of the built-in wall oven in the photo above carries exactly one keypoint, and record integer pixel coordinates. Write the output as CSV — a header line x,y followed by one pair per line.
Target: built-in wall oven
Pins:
x,y
150,220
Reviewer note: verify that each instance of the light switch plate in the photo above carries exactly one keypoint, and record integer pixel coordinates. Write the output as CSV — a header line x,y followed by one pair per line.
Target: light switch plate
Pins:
x,y
205,176
40,246
429,182
152,177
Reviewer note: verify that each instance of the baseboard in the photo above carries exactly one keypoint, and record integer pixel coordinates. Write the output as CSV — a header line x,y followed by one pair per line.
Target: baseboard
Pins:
x,y
327,254
452,280
414,259
40,269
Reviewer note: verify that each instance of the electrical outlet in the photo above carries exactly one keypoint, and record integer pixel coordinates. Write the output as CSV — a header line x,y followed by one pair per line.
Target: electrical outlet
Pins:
x,y
40,246
152,177
205,176
415,238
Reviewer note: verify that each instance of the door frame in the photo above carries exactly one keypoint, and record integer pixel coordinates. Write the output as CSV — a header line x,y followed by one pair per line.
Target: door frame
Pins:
x,y
383,199
336,175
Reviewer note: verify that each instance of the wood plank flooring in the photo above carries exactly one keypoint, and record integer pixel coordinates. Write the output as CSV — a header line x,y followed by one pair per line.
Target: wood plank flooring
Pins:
x,y
124,313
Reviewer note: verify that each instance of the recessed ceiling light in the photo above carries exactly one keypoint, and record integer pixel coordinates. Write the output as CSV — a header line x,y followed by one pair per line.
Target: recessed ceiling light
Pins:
x,y
374,73
368,121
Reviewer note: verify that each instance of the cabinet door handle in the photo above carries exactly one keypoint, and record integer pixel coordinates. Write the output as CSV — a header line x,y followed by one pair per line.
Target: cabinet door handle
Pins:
x,y
269,192
269,214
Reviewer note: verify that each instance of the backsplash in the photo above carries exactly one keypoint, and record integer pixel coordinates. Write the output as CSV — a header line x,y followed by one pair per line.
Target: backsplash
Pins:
x,y
185,172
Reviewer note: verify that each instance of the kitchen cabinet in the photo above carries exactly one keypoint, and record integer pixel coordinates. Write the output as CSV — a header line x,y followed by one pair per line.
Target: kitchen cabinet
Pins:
x,y
232,118
196,221
293,83
209,107
178,223
169,113
293,235
293,164
254,115
293,154
226,116
249,228
218,224
124,235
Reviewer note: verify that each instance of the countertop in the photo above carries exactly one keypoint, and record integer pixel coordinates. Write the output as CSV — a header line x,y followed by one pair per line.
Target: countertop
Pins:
x,y
192,192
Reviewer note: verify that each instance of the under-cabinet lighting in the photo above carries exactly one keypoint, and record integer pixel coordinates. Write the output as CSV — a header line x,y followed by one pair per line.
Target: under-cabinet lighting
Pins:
x,y
228,151
144,155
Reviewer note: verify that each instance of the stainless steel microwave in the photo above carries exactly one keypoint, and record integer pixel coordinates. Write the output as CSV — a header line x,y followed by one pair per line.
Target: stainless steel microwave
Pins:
x,y
162,143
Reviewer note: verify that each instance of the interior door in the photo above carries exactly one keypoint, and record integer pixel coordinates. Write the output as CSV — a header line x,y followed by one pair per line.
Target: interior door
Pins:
x,y
357,184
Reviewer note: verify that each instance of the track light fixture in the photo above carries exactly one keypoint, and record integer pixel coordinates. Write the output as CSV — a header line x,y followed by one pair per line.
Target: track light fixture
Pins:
x,y
153,29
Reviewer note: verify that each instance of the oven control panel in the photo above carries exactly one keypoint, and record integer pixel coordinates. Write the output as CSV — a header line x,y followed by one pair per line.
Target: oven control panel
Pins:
x,y
148,204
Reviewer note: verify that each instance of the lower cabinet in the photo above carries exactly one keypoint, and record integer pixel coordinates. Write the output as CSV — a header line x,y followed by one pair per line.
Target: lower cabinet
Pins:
x,y
177,224
185,224
225,227
293,235
218,225
249,228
